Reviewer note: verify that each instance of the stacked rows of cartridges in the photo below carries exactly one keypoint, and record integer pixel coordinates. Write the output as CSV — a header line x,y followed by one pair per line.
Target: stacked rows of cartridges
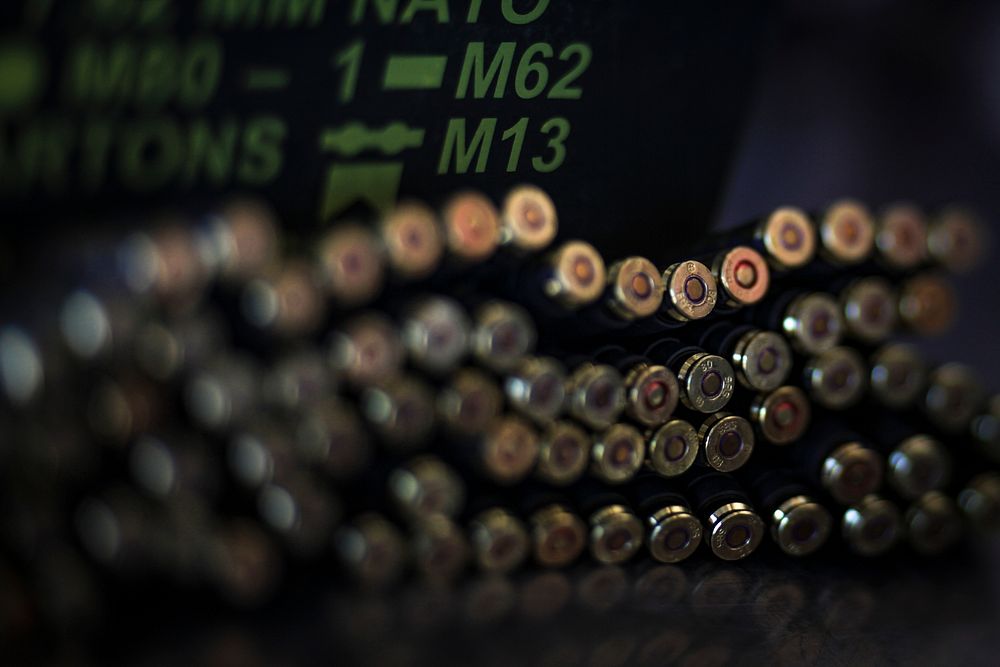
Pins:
x,y
441,391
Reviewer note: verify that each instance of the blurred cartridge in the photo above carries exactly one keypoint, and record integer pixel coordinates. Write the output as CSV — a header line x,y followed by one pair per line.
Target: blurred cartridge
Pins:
x,y
425,486
734,528
916,463
301,510
400,412
372,549
673,531
846,233
412,240
595,394
175,465
469,402
243,561
761,359
122,532
558,536
329,434
799,524
22,367
353,264
957,239
850,471
297,377
563,453
786,238
835,378
615,532
506,452
223,393
927,304
617,453
536,387
953,397
528,219
124,404
241,242
673,448
811,321
95,324
435,333
572,275
499,540
260,451
367,350
651,390
635,289
979,499
439,547
287,300
985,429
933,523
901,237
898,375
781,416
872,526
633,294
167,263
651,393
870,309
471,227
839,461
502,335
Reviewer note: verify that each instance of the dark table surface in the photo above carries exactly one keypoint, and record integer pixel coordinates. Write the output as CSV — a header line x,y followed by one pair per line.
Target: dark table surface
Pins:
x,y
834,610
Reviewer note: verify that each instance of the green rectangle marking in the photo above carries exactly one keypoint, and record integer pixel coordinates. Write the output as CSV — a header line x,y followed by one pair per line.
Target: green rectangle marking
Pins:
x,y
414,72
265,78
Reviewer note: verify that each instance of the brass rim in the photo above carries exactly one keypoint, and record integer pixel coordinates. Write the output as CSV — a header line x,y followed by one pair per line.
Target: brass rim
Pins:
x,y
743,274
691,290
847,232
529,218
789,238
636,288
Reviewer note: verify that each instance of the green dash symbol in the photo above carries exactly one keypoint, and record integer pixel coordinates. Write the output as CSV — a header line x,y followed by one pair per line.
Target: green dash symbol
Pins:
x,y
414,72
266,78
354,137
